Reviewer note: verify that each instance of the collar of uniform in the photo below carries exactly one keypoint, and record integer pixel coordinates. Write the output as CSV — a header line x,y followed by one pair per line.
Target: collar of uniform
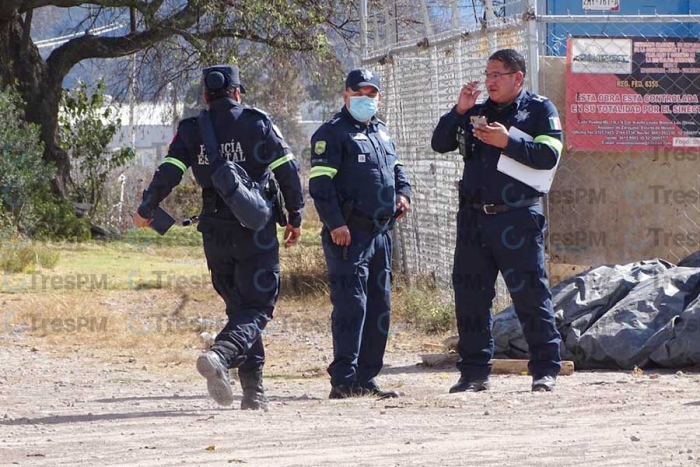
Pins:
x,y
223,104
520,98
348,116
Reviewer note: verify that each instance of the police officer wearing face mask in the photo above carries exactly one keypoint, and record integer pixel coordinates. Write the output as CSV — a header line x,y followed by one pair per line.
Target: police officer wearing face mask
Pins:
x,y
500,222
360,189
239,234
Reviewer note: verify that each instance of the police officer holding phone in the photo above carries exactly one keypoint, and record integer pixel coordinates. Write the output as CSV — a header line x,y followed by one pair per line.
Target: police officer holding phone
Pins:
x,y
500,223
232,149
360,189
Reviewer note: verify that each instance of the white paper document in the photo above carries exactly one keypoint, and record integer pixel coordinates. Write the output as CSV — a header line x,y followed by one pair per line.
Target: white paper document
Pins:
x,y
540,180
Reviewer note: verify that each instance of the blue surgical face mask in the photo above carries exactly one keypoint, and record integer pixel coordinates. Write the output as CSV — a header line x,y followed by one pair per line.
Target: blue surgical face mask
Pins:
x,y
362,108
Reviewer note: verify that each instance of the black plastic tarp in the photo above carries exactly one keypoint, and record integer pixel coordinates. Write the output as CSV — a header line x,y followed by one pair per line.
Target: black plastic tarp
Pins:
x,y
640,314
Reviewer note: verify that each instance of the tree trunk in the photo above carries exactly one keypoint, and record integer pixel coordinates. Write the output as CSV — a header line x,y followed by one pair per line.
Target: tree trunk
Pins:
x,y
21,64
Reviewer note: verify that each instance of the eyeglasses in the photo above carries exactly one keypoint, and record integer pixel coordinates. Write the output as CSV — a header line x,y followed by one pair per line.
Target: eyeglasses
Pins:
x,y
497,75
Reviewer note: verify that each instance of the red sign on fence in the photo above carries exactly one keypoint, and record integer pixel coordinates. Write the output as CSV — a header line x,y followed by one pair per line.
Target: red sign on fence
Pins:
x,y
632,93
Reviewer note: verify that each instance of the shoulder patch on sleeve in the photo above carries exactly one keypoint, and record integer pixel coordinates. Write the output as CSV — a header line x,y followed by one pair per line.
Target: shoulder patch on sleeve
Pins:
x,y
320,147
555,123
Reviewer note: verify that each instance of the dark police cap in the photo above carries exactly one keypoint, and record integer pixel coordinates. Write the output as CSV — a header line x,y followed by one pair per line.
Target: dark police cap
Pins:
x,y
220,79
361,77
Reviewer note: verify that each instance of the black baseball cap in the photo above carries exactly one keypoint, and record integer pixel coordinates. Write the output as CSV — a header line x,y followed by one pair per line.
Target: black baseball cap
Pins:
x,y
220,79
362,77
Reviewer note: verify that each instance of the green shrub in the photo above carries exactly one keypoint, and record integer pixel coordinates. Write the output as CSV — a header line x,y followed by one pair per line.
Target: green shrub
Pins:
x,y
54,219
86,125
185,200
22,170
425,305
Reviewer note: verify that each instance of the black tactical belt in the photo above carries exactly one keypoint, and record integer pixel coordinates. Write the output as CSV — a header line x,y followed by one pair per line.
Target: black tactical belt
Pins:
x,y
498,208
368,224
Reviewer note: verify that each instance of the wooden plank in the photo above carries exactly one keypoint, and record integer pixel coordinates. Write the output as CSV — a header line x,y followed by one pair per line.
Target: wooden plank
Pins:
x,y
500,366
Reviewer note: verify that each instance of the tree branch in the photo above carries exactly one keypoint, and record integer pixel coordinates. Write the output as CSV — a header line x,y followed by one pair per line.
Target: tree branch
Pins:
x,y
9,8
140,5
279,41
72,52
26,30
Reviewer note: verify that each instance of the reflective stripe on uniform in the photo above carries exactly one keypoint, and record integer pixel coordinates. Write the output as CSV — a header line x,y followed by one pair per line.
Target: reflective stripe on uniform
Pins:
x,y
551,142
398,163
281,161
177,163
321,170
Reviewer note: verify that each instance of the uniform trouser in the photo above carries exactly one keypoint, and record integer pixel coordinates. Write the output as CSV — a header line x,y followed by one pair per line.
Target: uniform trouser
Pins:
x,y
360,285
512,243
245,272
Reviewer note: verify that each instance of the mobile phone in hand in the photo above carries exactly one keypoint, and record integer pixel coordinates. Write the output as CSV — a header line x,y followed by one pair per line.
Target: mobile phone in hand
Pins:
x,y
478,120
162,221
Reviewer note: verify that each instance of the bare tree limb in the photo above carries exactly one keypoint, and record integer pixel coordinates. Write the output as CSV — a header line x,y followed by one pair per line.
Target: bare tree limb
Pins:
x,y
9,8
140,5
65,57
280,41
27,29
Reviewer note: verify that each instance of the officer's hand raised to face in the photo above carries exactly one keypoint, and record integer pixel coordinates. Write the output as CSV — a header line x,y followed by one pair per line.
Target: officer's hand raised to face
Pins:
x,y
404,205
341,235
140,221
493,134
467,97
291,235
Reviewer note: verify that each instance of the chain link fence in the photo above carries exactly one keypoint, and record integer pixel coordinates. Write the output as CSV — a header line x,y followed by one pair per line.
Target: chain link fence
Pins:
x,y
627,91
613,200
422,76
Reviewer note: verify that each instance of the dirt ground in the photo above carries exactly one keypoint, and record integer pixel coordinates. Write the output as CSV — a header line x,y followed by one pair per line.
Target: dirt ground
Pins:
x,y
80,408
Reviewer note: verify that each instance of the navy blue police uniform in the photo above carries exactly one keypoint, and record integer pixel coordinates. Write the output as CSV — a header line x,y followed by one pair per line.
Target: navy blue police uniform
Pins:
x,y
500,227
244,263
355,178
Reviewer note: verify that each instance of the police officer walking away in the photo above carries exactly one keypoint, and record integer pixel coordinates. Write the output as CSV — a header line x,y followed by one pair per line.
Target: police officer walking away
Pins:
x,y
500,223
360,189
243,259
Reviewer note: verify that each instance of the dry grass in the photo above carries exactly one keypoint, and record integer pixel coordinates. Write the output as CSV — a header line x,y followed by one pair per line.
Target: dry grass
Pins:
x,y
161,324
304,266
424,305
149,302
20,255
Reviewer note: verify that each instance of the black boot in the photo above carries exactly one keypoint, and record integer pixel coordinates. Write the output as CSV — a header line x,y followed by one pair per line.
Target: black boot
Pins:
x,y
470,385
374,390
212,366
253,391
